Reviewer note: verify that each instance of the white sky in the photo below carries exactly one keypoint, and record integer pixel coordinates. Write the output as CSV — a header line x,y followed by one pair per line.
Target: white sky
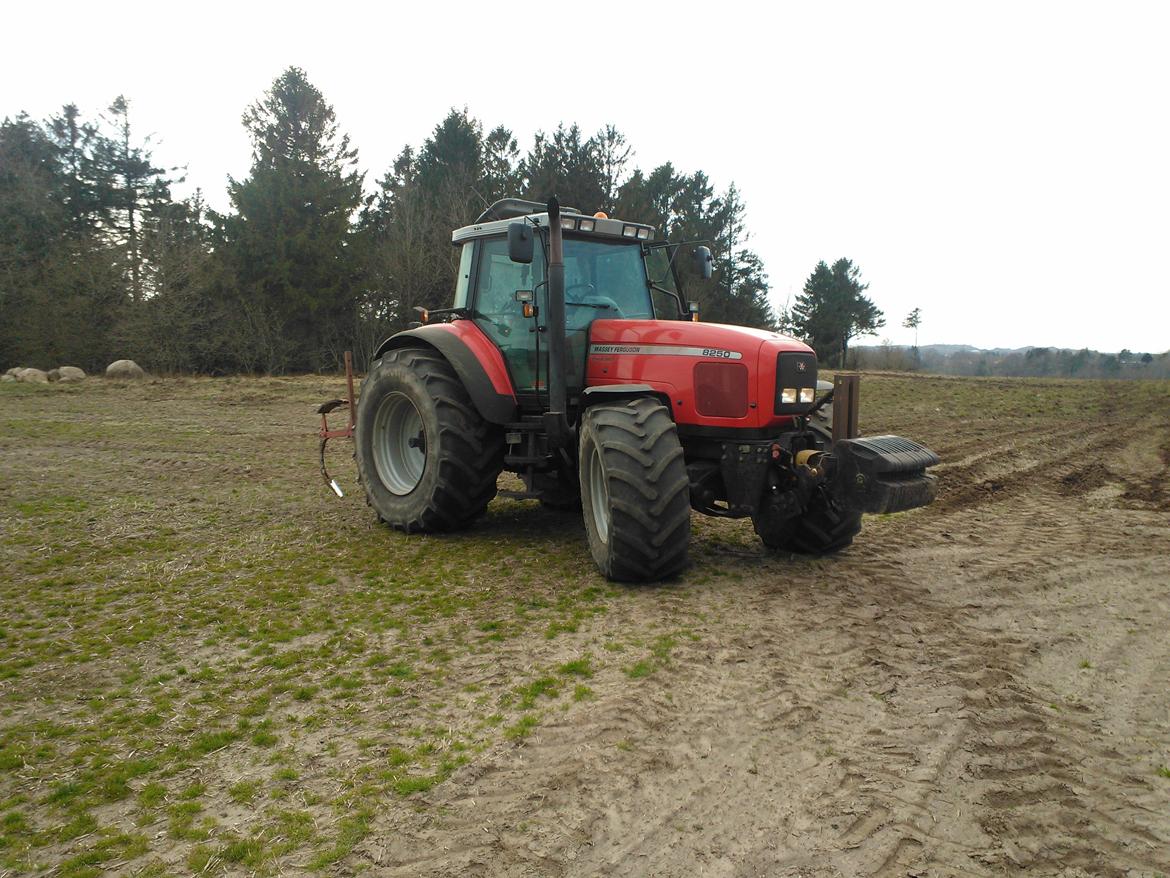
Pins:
x,y
1003,166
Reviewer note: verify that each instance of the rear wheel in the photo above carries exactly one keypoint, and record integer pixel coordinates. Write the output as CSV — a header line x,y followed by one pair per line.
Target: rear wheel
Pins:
x,y
635,495
427,459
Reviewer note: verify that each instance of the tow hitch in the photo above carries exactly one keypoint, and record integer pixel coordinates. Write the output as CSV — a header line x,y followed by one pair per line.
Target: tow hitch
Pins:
x,y
325,434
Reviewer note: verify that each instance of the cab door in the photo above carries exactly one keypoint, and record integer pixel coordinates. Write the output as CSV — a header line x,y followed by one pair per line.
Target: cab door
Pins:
x,y
495,310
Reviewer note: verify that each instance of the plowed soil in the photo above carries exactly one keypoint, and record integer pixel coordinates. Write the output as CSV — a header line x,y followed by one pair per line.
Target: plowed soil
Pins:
x,y
978,688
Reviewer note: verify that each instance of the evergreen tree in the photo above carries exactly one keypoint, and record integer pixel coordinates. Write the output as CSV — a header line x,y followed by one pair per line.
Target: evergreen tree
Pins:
x,y
133,192
613,154
59,291
913,321
832,309
567,166
288,243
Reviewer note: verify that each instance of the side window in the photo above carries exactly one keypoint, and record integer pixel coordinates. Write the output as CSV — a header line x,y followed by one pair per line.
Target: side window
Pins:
x,y
665,306
464,277
499,278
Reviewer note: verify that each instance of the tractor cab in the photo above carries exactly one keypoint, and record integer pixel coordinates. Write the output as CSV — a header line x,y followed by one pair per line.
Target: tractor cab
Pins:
x,y
614,270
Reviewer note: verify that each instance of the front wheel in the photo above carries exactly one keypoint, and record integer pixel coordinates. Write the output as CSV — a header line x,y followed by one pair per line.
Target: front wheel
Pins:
x,y
823,528
635,495
427,459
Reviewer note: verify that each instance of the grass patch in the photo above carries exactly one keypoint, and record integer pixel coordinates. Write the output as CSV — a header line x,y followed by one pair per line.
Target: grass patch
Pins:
x,y
522,728
581,667
639,669
545,686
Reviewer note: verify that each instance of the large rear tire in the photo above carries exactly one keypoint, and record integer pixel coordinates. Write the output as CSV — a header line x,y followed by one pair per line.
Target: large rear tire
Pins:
x,y
427,459
635,495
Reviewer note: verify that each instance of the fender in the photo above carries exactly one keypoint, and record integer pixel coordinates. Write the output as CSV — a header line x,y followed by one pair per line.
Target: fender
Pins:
x,y
478,363
604,393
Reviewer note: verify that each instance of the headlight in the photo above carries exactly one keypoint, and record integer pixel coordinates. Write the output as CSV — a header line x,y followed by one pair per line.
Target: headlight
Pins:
x,y
788,396
808,394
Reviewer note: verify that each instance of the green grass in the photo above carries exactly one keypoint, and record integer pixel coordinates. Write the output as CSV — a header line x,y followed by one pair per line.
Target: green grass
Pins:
x,y
522,728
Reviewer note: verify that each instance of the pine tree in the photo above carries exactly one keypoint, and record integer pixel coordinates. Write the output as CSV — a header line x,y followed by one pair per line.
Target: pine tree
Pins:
x,y
913,321
832,309
133,192
567,166
288,243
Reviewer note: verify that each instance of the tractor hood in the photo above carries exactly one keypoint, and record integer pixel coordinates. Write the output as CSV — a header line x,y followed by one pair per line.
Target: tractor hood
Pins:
x,y
715,375
703,340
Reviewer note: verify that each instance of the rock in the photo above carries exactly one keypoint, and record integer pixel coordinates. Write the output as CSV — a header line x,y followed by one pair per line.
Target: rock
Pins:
x,y
124,369
54,374
7,377
13,371
32,376
70,373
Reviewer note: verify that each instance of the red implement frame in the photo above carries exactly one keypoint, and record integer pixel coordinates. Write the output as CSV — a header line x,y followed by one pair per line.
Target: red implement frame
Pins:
x,y
325,434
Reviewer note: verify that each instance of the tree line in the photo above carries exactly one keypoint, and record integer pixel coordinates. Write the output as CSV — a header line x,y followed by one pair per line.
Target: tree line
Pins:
x,y
1025,363
100,260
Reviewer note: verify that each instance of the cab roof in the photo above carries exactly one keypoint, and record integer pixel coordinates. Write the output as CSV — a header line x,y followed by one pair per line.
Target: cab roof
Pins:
x,y
496,219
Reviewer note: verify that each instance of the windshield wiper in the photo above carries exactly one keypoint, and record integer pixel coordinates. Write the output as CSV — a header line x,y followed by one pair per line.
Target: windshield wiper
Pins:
x,y
587,305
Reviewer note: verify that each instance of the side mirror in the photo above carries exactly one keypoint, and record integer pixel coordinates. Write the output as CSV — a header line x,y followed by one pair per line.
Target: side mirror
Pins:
x,y
705,261
520,242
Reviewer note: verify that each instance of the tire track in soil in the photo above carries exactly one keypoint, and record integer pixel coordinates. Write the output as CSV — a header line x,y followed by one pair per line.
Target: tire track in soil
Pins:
x,y
892,711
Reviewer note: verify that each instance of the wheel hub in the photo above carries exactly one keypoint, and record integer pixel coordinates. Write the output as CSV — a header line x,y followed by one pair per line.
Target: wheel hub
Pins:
x,y
399,444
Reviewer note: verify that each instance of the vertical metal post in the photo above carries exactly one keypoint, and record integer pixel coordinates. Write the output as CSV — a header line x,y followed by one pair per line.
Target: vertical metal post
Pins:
x,y
846,399
349,388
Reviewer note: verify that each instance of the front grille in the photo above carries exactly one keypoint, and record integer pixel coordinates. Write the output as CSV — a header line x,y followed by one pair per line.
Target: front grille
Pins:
x,y
721,389
794,369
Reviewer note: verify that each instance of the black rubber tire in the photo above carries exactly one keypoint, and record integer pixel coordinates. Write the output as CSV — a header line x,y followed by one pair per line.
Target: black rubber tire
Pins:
x,y
464,453
559,491
646,507
822,529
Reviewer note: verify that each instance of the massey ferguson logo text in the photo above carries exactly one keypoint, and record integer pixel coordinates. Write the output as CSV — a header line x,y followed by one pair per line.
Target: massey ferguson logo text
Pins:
x,y
665,350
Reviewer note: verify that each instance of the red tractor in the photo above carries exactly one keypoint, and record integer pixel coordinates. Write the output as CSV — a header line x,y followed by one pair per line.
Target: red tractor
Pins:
x,y
570,359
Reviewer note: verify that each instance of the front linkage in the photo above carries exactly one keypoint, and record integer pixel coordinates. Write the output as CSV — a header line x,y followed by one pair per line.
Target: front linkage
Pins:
x,y
806,489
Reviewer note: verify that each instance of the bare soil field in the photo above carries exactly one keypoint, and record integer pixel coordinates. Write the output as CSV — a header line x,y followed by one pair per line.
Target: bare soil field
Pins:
x,y
210,665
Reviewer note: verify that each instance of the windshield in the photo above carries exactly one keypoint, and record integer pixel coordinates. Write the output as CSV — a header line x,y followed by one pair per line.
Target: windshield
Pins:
x,y
606,277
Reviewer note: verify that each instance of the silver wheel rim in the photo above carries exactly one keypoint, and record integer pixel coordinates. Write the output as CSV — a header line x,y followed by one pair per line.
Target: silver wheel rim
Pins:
x,y
599,496
399,463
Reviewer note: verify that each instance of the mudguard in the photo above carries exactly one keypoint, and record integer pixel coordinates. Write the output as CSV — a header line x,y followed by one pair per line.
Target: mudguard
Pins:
x,y
478,363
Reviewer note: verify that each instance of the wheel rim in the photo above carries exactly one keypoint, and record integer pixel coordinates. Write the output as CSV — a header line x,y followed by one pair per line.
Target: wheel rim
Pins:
x,y
599,496
399,444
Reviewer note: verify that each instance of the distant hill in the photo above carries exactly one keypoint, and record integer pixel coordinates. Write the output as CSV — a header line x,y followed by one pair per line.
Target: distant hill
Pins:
x,y
960,359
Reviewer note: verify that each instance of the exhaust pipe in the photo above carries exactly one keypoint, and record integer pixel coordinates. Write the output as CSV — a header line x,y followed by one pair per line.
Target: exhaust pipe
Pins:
x,y
556,423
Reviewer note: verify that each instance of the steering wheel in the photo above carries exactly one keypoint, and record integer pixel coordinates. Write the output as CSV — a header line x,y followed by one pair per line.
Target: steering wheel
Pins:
x,y
588,288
